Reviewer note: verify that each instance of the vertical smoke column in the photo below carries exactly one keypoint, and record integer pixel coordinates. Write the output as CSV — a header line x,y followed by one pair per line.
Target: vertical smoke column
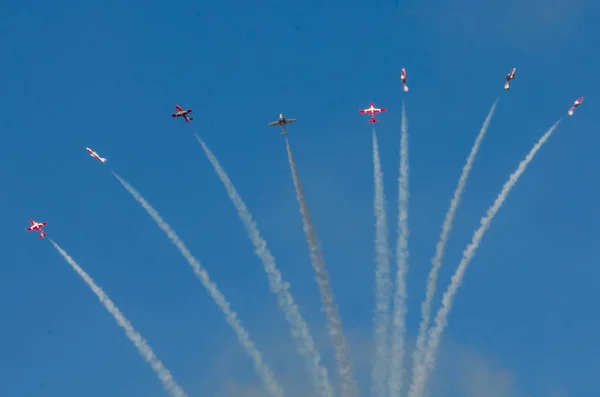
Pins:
x,y
382,281
334,320
399,319
304,341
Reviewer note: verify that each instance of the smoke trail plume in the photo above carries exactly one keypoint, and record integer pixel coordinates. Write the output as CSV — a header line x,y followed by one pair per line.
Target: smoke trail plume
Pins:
x,y
399,319
441,319
299,330
334,320
230,316
382,281
140,343
441,245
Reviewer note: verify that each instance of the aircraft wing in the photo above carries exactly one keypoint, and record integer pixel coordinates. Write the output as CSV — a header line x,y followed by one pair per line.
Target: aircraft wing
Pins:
x,y
178,108
287,121
273,123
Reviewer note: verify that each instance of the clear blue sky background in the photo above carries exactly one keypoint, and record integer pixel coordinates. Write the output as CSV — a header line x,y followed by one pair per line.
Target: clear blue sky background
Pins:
x,y
108,75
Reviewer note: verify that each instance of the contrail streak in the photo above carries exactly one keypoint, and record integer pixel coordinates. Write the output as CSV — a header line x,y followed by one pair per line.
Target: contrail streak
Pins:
x,y
399,319
443,241
299,330
140,343
334,320
230,316
382,281
441,319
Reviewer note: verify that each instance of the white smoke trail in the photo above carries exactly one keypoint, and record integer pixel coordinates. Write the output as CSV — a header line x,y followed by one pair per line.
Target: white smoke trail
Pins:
x,y
400,309
334,320
140,343
299,330
232,318
441,319
441,245
382,281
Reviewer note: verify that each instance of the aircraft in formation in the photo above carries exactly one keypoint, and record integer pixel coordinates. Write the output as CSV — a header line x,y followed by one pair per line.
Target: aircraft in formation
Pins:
x,y
282,121
37,226
575,104
95,155
372,110
403,79
509,77
182,113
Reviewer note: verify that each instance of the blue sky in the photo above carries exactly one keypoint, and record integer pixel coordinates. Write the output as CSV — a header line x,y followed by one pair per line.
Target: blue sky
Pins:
x,y
78,74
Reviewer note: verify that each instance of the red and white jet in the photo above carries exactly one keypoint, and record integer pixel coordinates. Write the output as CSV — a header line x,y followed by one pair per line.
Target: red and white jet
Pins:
x,y
95,155
575,104
372,110
182,113
37,226
403,78
509,77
